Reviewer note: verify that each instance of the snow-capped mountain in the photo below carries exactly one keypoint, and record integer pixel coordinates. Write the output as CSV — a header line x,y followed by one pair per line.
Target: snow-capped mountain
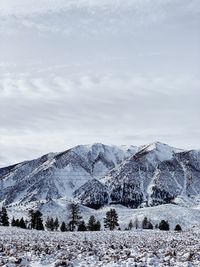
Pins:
x,y
98,175
156,174
58,175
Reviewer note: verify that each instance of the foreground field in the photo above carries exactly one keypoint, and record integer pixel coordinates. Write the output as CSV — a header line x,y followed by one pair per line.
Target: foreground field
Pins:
x,y
118,248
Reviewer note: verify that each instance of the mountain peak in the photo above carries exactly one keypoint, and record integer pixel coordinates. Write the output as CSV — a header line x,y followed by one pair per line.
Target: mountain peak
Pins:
x,y
154,145
128,175
160,150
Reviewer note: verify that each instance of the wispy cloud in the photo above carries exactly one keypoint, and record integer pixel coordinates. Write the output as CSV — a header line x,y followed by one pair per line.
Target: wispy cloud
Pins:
x,y
89,108
110,71
11,7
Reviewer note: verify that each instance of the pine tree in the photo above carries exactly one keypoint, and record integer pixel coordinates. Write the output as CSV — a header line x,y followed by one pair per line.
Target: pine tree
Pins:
x,y
164,225
63,227
136,223
82,227
146,224
32,219
36,220
74,216
111,220
17,223
98,226
150,225
0,217
130,225
178,228
4,220
56,224
91,223
22,223
13,222
49,224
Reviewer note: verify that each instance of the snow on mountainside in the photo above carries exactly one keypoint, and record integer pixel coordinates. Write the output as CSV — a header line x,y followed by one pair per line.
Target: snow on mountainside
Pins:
x,y
174,214
156,174
159,151
99,176
93,193
58,175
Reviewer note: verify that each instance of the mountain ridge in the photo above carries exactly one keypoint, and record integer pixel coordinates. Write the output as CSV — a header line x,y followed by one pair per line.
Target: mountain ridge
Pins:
x,y
56,175
98,174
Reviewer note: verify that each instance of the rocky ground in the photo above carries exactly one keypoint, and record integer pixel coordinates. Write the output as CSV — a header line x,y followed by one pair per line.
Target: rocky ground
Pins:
x,y
135,248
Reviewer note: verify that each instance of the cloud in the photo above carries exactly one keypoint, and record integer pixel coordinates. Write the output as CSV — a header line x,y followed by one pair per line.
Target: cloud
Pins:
x,y
109,71
60,112
24,7
152,9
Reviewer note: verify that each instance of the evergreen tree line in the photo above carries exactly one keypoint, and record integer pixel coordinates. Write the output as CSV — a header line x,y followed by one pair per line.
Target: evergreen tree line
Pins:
x,y
19,223
76,223
91,225
146,224
35,221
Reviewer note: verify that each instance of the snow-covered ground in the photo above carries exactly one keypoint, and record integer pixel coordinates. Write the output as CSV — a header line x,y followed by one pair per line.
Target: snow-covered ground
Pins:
x,y
118,248
174,214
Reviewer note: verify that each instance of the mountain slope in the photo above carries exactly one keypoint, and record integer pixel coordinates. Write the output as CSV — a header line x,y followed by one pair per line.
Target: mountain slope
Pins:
x,y
156,174
58,175
98,175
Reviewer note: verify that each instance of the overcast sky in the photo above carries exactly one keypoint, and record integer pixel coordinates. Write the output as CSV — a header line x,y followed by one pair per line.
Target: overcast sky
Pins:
x,y
111,71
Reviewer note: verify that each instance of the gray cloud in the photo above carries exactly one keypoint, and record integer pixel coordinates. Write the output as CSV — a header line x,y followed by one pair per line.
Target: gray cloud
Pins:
x,y
88,71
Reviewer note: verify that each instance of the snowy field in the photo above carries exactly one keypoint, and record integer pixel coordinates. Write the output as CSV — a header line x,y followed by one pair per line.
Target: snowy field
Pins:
x,y
118,248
